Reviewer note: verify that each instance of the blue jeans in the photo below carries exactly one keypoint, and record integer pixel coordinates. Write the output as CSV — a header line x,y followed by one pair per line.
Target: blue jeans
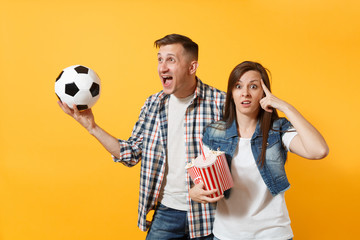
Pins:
x,y
170,223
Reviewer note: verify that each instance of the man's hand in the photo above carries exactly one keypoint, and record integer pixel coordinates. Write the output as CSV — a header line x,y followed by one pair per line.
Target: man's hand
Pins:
x,y
85,118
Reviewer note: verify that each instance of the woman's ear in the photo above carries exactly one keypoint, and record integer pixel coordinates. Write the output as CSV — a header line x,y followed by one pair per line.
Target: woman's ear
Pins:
x,y
193,67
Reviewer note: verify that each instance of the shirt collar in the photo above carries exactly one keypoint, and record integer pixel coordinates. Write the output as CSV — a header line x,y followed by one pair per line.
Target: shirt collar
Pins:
x,y
199,91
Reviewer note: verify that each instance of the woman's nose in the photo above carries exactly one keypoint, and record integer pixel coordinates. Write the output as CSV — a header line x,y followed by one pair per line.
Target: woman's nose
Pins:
x,y
245,92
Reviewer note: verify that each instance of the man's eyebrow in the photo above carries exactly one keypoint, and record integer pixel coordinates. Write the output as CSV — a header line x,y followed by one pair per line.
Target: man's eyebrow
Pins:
x,y
168,54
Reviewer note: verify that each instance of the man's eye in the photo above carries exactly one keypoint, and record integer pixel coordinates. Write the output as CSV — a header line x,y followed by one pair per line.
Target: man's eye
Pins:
x,y
159,59
171,60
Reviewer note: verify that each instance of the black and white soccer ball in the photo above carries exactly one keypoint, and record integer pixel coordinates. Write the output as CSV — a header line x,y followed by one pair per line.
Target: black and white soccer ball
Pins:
x,y
78,85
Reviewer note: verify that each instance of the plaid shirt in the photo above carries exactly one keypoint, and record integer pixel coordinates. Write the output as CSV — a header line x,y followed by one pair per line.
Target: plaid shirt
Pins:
x,y
148,143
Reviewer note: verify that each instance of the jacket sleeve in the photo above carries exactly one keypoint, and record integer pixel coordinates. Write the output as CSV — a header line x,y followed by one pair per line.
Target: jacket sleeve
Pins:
x,y
285,125
206,136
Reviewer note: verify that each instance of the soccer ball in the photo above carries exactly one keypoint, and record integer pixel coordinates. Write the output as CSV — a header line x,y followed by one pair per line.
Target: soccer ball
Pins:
x,y
78,85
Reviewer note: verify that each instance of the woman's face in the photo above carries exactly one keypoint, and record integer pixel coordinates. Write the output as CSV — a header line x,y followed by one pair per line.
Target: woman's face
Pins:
x,y
247,94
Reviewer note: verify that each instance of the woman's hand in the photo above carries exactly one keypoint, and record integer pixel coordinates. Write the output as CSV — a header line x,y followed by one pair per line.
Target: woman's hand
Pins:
x,y
270,101
199,194
309,143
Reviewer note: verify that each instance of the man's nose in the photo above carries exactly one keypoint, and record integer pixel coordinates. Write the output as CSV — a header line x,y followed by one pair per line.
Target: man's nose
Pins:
x,y
163,67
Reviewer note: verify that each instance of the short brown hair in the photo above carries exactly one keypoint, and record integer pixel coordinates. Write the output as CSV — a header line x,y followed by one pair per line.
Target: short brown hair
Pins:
x,y
189,45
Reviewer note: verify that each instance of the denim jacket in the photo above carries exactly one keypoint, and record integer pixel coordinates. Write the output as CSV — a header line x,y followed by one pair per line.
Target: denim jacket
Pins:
x,y
218,137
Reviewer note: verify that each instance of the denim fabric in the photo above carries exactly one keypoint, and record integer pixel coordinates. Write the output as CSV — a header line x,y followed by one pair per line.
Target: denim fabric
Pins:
x,y
218,137
170,223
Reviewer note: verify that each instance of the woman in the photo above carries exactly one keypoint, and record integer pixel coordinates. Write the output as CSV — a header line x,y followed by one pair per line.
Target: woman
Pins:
x,y
255,141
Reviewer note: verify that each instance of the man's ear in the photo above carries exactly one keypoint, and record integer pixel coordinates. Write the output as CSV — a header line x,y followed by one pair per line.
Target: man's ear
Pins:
x,y
193,67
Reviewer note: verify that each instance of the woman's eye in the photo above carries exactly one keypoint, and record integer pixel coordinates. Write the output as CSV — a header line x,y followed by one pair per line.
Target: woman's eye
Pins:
x,y
237,86
253,86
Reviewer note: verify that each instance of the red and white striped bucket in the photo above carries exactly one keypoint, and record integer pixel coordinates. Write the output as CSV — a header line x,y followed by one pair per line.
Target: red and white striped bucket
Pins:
x,y
214,172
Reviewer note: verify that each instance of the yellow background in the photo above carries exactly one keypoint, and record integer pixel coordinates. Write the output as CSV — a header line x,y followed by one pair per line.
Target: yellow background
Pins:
x,y
57,182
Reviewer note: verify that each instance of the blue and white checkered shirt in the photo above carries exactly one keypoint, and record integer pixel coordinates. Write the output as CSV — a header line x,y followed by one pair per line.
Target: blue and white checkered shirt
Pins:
x,y
148,143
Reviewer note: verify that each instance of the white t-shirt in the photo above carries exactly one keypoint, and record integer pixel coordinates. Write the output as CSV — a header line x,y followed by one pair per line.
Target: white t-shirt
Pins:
x,y
174,190
251,212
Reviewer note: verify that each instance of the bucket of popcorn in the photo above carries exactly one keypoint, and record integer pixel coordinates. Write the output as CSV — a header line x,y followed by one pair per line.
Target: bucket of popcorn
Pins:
x,y
211,169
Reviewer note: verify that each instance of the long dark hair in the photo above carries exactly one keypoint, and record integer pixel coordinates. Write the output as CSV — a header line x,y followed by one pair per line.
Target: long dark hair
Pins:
x,y
266,119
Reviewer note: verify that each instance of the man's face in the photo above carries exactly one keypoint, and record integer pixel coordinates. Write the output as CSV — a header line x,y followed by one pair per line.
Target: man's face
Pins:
x,y
175,70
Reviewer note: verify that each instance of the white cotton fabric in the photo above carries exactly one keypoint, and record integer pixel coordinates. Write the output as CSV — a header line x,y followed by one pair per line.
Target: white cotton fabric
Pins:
x,y
251,212
175,188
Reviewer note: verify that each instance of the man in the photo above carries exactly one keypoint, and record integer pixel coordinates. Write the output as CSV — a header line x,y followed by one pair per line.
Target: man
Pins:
x,y
166,137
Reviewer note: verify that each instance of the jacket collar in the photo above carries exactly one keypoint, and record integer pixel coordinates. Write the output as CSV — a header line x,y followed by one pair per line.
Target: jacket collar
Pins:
x,y
257,132
232,130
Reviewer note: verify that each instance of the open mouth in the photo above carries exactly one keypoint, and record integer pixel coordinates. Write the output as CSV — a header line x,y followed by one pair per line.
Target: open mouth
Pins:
x,y
166,80
245,102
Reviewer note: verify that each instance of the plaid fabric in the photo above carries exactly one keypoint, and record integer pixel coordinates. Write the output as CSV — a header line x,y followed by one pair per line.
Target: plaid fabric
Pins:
x,y
148,143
